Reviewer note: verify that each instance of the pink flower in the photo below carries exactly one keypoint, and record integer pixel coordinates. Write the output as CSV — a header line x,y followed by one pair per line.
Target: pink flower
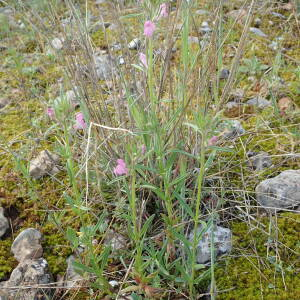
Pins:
x,y
120,169
144,149
149,28
143,60
50,112
80,123
163,10
213,140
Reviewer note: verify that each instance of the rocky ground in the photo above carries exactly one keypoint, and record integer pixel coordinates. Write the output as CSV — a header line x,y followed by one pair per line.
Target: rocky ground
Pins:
x,y
252,188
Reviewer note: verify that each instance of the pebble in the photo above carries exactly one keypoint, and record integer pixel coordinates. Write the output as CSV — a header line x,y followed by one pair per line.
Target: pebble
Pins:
x,y
260,102
104,65
201,12
3,102
224,74
259,161
135,44
257,32
57,43
232,129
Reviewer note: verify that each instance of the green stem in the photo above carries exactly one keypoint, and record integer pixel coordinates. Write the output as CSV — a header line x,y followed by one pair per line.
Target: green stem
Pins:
x,y
197,213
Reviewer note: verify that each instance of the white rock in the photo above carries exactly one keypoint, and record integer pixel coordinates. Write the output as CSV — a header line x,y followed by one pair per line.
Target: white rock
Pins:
x,y
57,43
135,44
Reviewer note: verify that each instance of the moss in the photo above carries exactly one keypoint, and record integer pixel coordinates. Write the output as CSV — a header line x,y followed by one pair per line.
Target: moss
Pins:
x,y
251,273
7,261
56,249
98,38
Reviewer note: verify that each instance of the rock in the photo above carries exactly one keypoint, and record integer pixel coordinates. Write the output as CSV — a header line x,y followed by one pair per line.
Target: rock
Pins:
x,y
275,14
104,65
238,14
201,12
72,96
193,40
27,245
121,60
44,164
72,278
257,32
282,191
257,22
57,43
260,102
135,44
222,239
232,129
224,74
205,27
259,161
4,224
115,240
284,104
3,102
34,276
237,95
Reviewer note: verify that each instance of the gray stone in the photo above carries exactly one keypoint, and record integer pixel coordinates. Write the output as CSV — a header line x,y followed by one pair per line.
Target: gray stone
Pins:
x,y
27,245
4,224
30,281
44,164
115,240
276,14
224,74
257,22
232,129
104,65
57,43
3,102
237,95
135,44
282,191
72,278
222,239
232,104
205,29
260,102
259,161
257,32
193,40
201,12
72,96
